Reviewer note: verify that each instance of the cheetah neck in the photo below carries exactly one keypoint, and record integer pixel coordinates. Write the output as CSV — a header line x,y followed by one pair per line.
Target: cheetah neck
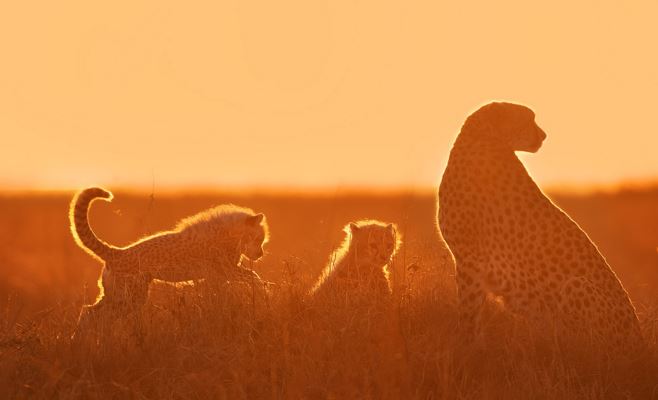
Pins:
x,y
473,145
485,165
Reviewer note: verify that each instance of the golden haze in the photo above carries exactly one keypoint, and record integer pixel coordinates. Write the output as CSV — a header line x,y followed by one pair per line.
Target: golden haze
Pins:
x,y
316,94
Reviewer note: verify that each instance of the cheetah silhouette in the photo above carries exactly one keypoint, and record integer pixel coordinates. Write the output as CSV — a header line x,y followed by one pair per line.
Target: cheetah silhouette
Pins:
x,y
509,240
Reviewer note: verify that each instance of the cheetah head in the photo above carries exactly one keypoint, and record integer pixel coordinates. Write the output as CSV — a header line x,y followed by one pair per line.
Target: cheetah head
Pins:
x,y
254,236
511,125
375,242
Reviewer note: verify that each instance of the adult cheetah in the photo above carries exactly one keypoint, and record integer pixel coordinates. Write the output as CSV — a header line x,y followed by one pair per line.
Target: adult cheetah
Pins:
x,y
508,239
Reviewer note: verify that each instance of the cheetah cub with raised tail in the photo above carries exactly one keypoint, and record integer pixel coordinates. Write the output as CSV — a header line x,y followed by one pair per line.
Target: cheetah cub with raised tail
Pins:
x,y
208,245
360,266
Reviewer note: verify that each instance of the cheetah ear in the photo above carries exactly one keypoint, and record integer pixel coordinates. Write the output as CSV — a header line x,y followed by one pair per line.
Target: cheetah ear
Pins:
x,y
391,228
354,228
254,220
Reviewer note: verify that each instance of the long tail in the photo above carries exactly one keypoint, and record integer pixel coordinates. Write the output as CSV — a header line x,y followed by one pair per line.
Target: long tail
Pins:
x,y
80,228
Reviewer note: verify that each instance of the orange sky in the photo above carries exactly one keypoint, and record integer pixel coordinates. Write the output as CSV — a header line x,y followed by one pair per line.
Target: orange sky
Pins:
x,y
317,93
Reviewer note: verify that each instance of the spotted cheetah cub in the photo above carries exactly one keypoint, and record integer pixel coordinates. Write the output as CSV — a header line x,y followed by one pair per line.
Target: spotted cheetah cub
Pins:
x,y
208,245
360,265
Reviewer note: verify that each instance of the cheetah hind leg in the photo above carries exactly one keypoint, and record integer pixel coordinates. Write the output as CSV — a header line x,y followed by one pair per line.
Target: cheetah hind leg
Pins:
x,y
94,324
589,319
87,330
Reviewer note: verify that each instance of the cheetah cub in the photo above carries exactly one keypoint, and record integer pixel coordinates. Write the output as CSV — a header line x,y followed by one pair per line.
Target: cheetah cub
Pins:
x,y
208,245
360,265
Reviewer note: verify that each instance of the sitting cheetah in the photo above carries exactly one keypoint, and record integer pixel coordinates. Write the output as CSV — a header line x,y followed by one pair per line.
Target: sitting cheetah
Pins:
x,y
352,302
508,239
359,267
205,246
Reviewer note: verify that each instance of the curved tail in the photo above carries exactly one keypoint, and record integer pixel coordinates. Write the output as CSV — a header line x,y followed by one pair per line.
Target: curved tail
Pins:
x,y
80,228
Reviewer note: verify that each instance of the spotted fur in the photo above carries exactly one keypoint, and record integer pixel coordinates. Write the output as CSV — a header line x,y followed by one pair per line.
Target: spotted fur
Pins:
x,y
207,245
508,239
360,265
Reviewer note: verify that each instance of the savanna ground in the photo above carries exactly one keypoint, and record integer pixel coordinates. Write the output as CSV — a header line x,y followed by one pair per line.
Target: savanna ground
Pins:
x,y
239,343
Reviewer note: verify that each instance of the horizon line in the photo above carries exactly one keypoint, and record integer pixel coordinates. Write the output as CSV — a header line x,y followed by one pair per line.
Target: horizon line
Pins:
x,y
569,188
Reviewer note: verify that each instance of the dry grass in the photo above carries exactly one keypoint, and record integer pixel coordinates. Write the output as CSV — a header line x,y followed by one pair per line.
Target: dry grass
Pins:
x,y
236,342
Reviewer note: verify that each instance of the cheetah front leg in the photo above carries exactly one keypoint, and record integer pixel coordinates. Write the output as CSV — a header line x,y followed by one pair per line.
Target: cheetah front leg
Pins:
x,y
471,295
246,274
250,276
